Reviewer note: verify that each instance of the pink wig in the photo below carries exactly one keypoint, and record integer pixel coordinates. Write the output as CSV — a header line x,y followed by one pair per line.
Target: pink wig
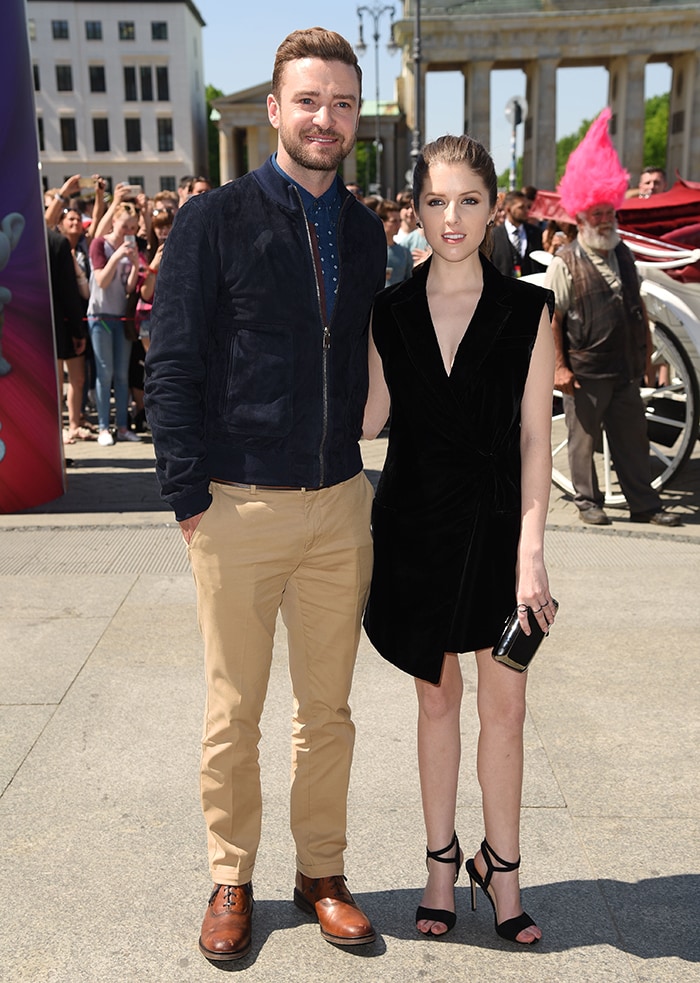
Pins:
x,y
594,175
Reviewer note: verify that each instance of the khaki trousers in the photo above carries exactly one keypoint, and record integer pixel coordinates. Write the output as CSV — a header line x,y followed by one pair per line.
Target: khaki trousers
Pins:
x,y
309,554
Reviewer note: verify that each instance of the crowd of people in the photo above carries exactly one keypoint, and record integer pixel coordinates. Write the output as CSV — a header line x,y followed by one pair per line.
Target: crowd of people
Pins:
x,y
104,255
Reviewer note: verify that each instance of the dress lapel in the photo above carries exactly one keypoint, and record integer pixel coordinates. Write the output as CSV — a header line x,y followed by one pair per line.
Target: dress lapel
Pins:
x,y
412,316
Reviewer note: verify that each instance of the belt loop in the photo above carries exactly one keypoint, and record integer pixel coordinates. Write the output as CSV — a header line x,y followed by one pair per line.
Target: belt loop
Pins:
x,y
253,489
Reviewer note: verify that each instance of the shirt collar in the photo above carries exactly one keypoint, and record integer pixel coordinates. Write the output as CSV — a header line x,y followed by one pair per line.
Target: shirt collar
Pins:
x,y
329,198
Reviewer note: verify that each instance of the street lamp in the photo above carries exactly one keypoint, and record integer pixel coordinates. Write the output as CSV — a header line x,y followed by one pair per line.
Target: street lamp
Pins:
x,y
417,87
376,12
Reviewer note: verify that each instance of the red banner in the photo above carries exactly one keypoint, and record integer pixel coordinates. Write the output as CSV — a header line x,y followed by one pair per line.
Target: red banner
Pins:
x,y
31,447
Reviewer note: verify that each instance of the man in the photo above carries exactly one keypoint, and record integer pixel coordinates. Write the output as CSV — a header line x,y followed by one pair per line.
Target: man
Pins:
x,y
256,384
652,181
601,335
516,238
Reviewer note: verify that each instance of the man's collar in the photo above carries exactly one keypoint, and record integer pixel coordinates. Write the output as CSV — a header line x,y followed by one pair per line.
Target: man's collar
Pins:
x,y
328,197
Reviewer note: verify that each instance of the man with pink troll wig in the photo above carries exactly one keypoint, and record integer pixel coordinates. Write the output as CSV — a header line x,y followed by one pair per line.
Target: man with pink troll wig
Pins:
x,y
601,335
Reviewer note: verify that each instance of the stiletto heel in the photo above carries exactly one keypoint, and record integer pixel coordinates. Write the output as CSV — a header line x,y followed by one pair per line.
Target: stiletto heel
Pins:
x,y
512,927
448,918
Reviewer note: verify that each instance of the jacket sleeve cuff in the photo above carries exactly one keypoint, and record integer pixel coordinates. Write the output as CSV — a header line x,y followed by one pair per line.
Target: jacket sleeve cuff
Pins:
x,y
192,504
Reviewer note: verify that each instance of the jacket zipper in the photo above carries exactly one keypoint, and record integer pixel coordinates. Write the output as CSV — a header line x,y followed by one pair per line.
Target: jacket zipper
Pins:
x,y
326,342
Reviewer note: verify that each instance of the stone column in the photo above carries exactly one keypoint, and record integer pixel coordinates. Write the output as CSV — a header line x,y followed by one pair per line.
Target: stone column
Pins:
x,y
626,98
225,152
539,151
477,100
683,149
350,167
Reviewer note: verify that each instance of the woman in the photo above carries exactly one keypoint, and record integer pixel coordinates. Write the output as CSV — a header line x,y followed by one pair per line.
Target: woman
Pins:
x,y
161,224
149,265
114,260
459,514
71,356
399,262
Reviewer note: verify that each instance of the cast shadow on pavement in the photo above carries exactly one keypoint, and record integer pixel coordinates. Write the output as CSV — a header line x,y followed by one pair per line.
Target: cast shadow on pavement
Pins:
x,y
653,919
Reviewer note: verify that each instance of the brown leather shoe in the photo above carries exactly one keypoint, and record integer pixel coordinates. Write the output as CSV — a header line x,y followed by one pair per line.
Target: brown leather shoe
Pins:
x,y
226,929
329,900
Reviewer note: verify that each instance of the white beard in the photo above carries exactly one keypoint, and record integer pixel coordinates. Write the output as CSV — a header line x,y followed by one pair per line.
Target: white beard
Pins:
x,y
596,240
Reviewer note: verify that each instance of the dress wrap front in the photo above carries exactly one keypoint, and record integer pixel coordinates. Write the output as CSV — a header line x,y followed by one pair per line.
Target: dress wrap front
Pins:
x,y
446,517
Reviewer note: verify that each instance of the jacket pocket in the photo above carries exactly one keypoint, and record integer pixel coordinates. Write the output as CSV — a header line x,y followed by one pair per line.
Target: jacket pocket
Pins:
x,y
257,393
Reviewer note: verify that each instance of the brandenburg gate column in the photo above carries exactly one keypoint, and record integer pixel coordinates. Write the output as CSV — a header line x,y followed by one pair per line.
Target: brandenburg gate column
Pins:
x,y
626,96
539,163
683,150
477,100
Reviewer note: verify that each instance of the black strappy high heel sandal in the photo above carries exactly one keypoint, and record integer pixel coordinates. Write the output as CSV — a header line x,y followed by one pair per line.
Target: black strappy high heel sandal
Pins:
x,y
448,918
512,927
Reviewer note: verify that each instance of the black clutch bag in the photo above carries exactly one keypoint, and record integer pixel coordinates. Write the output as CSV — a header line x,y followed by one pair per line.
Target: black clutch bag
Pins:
x,y
515,649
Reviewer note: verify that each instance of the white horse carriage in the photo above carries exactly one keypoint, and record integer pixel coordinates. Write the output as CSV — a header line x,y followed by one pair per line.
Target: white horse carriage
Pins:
x,y
669,263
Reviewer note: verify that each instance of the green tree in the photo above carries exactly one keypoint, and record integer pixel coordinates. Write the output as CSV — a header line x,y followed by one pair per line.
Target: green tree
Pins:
x,y
656,112
214,174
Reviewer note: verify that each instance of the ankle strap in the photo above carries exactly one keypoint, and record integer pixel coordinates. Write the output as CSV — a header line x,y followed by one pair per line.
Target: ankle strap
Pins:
x,y
506,866
439,854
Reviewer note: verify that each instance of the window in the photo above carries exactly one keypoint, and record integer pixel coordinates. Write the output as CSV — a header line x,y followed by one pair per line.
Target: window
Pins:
x,y
64,78
100,134
146,83
31,28
37,78
136,179
130,84
167,182
59,29
69,136
93,30
165,134
159,30
127,30
163,83
98,82
133,134
40,130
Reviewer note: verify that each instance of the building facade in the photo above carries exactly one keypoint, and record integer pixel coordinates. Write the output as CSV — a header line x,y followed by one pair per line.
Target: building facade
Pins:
x,y
119,90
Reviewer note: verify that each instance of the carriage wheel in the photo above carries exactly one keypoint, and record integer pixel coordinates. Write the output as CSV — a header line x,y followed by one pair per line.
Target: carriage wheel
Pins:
x,y
672,409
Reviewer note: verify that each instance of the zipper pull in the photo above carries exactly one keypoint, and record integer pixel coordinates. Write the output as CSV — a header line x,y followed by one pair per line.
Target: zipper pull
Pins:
x,y
326,337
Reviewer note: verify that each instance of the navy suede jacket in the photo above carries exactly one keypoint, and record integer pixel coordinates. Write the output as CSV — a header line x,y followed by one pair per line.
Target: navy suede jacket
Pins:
x,y
245,380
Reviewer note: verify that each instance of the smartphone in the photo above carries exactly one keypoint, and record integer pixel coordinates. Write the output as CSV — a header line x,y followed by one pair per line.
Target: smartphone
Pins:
x,y
86,184
130,241
133,190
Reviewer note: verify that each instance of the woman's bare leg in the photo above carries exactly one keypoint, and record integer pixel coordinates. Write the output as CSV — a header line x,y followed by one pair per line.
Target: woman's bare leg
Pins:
x,y
438,767
501,706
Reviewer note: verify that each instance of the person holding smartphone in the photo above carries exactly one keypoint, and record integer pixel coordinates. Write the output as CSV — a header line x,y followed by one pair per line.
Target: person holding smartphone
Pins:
x,y
114,261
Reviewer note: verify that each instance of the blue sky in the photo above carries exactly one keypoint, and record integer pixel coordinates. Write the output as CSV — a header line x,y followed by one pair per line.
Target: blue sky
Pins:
x,y
241,38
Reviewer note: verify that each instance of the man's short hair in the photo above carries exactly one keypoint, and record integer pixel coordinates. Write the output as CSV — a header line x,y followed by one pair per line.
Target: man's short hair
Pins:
x,y
513,196
387,207
654,170
313,42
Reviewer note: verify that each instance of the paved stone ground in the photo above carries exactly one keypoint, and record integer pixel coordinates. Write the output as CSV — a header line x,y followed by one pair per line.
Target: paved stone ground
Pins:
x,y
103,871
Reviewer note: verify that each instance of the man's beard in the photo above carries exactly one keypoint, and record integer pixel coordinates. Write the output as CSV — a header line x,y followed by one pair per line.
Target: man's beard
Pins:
x,y
316,157
597,240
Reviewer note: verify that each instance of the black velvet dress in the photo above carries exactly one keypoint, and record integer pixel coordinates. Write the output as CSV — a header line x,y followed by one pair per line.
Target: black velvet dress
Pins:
x,y
446,517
